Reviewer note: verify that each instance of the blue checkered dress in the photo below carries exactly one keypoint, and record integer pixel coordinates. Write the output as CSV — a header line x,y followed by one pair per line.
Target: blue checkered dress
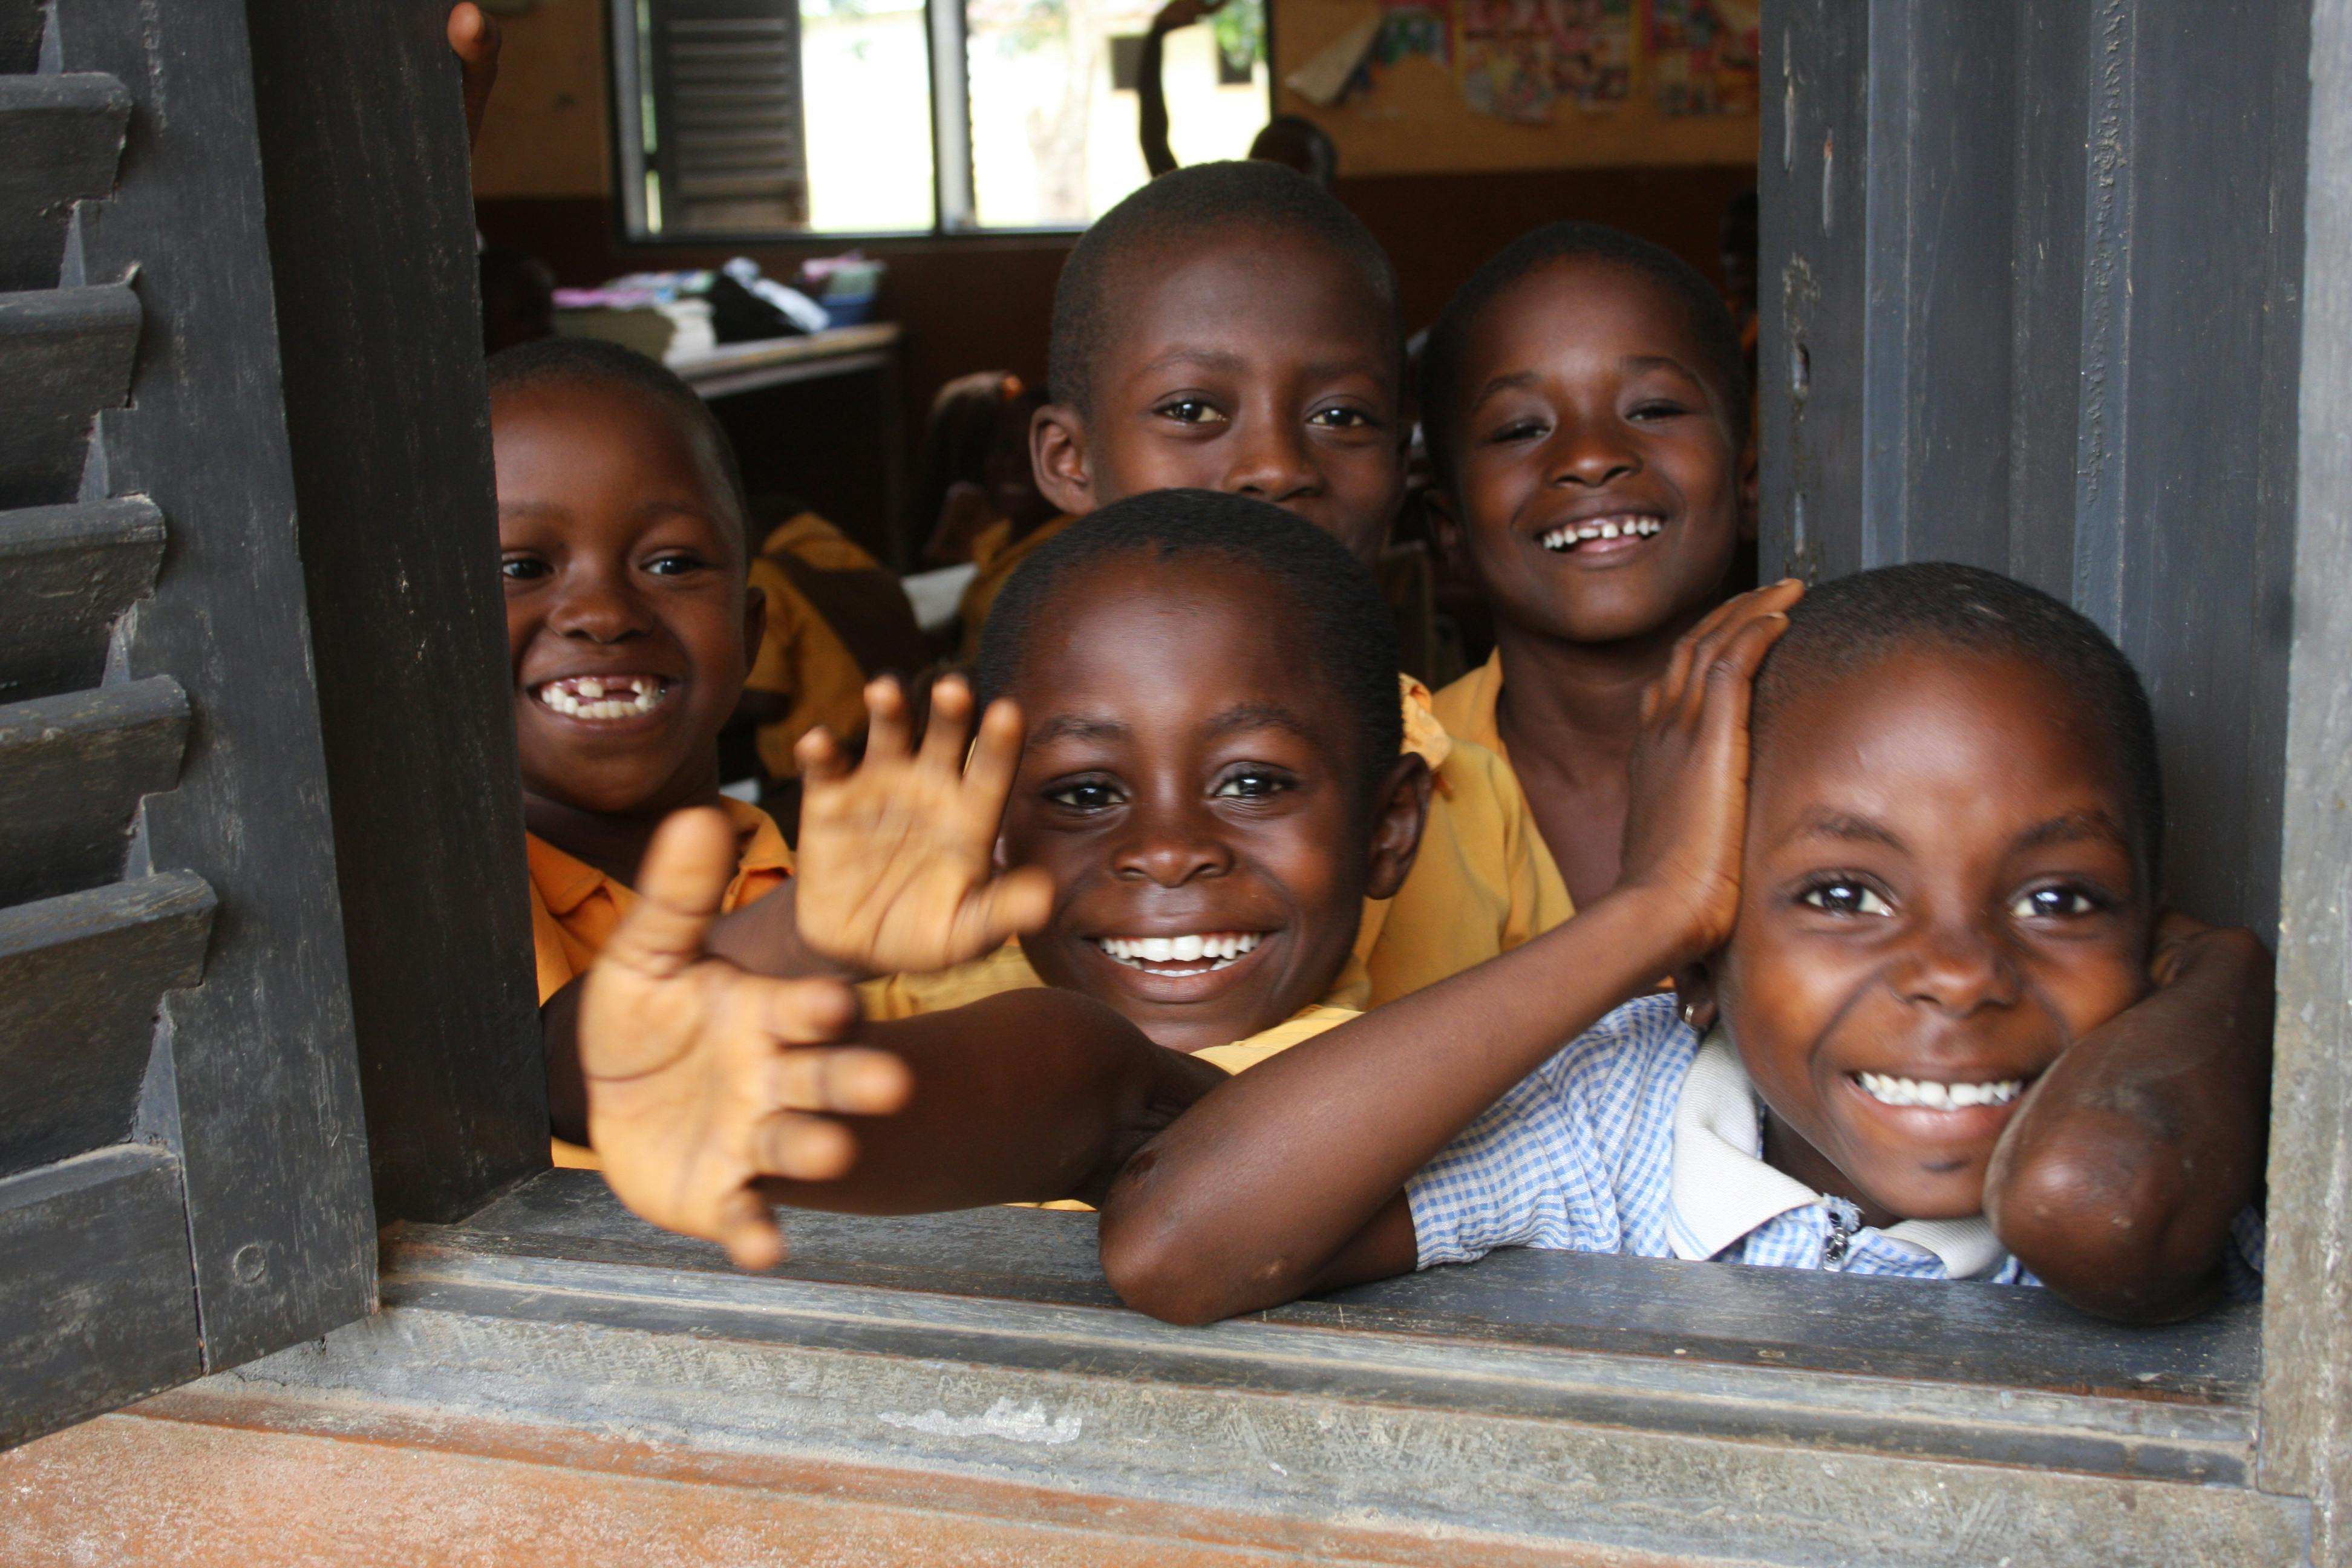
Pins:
x,y
1579,1157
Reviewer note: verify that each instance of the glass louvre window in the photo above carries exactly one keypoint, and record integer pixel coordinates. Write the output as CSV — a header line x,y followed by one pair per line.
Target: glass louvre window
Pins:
x,y
756,118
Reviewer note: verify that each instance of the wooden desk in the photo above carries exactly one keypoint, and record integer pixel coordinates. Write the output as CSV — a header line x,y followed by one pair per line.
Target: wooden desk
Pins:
x,y
844,455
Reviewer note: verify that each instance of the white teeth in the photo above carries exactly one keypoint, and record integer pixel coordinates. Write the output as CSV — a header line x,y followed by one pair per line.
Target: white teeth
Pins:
x,y
1934,1096
1571,534
1136,952
587,699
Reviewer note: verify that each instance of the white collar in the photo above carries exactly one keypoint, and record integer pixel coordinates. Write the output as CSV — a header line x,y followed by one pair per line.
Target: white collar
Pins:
x,y
1721,1189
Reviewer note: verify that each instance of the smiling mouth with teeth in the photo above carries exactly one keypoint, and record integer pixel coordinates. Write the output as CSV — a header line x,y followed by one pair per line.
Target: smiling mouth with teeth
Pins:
x,y
1928,1095
1569,536
1203,954
613,697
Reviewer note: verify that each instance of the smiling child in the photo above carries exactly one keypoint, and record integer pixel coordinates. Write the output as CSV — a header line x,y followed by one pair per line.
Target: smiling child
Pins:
x,y
1587,424
1231,327
1939,891
1212,776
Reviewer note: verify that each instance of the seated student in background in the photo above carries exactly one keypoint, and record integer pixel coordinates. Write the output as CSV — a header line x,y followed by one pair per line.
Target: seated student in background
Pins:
x,y
1910,924
836,619
1588,428
974,483
1230,327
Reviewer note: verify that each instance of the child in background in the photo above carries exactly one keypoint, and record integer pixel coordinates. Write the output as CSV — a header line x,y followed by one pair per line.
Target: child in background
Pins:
x,y
1910,927
1230,327
974,481
836,619
1588,430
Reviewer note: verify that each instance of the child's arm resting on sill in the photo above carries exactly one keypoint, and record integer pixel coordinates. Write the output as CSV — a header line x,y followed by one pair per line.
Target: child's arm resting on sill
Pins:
x,y
2117,1181
707,1103
1287,1179
895,869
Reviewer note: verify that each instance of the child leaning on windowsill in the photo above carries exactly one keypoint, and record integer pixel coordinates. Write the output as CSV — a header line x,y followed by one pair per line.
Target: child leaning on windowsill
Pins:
x,y
1913,945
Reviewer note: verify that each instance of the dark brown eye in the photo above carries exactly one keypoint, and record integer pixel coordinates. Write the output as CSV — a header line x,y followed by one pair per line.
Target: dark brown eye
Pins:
x,y
1845,899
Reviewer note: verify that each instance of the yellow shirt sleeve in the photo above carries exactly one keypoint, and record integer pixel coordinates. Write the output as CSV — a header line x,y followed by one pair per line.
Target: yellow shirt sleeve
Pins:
x,y
1482,884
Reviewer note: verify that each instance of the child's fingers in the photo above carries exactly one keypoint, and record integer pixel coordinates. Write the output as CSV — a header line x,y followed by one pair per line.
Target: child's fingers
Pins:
x,y
995,756
802,1148
679,887
795,1011
1731,675
1018,901
821,756
743,1226
885,719
848,1079
949,724
1728,621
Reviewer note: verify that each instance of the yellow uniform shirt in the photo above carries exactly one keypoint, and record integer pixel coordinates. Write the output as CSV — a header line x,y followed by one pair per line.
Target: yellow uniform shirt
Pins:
x,y
1466,709
802,655
998,555
1483,881
575,908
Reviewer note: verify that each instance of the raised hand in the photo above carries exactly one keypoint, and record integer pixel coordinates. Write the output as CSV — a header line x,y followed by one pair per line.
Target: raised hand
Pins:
x,y
474,39
700,1076
897,855
1688,809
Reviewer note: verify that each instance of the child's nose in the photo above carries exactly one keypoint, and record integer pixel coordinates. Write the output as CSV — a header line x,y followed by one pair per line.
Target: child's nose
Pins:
x,y
1172,847
1957,967
598,608
1272,463
1593,456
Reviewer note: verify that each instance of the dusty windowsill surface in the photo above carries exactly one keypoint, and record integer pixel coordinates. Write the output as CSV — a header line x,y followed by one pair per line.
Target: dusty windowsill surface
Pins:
x,y
973,1374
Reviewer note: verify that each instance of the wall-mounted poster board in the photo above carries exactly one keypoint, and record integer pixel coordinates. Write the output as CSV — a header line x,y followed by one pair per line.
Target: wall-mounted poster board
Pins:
x,y
1451,86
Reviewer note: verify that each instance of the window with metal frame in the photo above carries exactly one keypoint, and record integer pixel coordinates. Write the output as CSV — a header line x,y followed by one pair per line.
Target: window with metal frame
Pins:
x,y
754,119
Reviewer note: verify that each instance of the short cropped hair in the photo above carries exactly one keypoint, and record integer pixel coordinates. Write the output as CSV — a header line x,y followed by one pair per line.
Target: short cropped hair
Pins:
x,y
1342,624
596,361
1848,624
1441,392
1183,204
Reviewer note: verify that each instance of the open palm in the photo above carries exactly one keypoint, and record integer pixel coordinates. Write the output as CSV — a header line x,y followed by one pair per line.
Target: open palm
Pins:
x,y
896,862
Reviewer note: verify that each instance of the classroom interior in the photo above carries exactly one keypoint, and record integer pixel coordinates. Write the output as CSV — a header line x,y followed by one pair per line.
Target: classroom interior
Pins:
x,y
2048,287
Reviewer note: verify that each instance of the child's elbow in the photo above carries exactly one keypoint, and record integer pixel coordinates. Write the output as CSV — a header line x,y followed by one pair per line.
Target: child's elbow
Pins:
x,y
2109,1228
1159,1272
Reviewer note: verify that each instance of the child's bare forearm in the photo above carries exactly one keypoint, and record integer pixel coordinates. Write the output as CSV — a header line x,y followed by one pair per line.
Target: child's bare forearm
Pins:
x,y
765,939
1024,1098
2119,1180
1248,1201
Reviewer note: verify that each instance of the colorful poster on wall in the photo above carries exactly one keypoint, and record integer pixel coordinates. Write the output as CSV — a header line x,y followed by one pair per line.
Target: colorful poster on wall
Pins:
x,y
1705,56
1519,57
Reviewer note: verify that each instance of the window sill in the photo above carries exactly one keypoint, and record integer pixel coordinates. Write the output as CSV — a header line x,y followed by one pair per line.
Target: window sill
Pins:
x,y
1535,1395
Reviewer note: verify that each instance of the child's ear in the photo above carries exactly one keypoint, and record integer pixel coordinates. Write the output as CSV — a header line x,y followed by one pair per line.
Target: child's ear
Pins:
x,y
1398,811
1694,995
1750,485
1057,457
